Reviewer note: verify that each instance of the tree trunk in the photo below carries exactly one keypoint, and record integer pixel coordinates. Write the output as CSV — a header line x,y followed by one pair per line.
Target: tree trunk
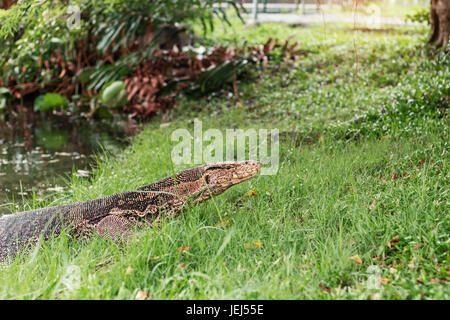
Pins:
x,y
440,22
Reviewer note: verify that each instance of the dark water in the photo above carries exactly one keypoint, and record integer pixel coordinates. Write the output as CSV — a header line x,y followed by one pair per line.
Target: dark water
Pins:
x,y
38,152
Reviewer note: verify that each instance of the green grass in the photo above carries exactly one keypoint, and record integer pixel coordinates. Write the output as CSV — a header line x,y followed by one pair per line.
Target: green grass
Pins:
x,y
363,172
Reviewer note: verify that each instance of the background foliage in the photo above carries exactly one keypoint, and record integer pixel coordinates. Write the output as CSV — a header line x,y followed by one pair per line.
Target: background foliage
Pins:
x,y
42,49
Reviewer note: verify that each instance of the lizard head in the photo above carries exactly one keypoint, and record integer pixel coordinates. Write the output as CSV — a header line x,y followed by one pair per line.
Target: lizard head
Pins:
x,y
222,175
201,182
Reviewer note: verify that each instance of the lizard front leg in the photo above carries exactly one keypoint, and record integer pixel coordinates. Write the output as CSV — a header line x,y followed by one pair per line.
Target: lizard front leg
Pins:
x,y
120,222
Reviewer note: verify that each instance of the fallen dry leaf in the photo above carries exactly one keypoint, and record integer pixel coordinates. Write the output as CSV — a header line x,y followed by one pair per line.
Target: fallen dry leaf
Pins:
x,y
183,249
154,258
356,259
181,266
129,270
255,244
375,259
373,205
103,263
258,243
223,223
325,289
250,193
142,295
376,296
391,243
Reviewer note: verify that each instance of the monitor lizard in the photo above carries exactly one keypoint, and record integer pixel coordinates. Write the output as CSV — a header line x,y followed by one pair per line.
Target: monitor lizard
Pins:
x,y
117,215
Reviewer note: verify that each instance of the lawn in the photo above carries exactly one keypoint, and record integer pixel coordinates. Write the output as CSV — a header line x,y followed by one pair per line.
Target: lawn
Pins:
x,y
358,209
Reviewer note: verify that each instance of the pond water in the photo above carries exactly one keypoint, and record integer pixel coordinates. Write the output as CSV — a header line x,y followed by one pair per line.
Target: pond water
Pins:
x,y
38,153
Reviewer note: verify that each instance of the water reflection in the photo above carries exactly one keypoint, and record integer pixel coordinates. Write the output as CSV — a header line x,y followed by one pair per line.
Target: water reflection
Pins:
x,y
37,152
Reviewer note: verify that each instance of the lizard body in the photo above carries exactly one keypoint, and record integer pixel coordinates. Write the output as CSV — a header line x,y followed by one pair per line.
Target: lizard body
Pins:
x,y
118,214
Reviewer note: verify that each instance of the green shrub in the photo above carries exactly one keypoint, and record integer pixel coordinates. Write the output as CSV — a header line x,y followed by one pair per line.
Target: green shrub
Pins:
x,y
419,15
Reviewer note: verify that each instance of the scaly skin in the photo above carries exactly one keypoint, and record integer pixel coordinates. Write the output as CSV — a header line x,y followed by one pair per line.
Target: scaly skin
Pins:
x,y
117,215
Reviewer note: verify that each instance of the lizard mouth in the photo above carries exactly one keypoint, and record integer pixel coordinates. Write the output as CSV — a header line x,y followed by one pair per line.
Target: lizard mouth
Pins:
x,y
252,168
225,174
